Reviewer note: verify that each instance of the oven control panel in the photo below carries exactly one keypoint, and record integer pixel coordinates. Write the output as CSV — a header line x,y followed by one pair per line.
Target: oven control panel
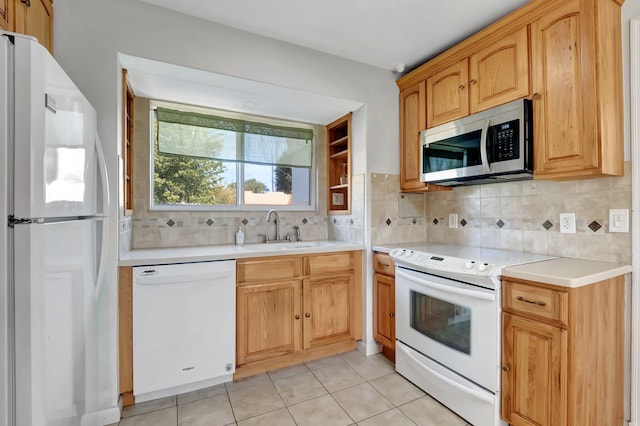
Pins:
x,y
421,261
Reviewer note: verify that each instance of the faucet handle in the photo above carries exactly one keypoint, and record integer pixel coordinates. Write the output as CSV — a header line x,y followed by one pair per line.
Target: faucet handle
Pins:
x,y
296,230
265,238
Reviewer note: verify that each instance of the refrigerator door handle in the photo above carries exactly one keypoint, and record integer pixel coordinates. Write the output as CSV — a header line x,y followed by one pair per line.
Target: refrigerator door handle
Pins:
x,y
104,246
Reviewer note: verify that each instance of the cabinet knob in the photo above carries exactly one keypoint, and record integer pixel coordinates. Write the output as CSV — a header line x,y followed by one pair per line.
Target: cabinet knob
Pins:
x,y
461,87
505,368
392,314
26,2
297,317
307,315
536,96
473,82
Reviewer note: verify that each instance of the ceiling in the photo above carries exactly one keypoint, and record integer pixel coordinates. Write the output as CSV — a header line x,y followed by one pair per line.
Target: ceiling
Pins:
x,y
384,33
397,35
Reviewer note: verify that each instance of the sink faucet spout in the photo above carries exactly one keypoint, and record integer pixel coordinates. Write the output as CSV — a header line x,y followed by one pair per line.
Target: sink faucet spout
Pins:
x,y
276,221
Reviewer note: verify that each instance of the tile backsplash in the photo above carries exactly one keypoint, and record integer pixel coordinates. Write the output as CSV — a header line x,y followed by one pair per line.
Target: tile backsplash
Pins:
x,y
525,216
387,225
514,215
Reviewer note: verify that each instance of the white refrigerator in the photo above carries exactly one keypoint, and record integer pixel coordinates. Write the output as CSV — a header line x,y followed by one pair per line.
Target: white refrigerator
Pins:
x,y
53,190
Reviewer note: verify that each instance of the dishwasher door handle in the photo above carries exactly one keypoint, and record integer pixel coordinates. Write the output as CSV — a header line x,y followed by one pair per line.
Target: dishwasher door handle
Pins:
x,y
159,279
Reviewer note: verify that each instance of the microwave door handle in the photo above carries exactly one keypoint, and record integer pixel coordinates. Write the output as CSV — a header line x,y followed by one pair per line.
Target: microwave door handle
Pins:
x,y
483,147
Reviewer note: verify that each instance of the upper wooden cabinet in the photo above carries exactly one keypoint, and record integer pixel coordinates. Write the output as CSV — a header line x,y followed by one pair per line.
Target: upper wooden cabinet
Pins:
x,y
448,94
577,78
413,120
499,73
5,15
35,18
496,74
566,56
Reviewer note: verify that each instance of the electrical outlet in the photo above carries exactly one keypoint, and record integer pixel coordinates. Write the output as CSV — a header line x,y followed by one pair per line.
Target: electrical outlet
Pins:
x,y
453,220
567,223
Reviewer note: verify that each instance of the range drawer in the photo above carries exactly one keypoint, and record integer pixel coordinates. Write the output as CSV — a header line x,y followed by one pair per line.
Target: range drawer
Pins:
x,y
383,264
533,301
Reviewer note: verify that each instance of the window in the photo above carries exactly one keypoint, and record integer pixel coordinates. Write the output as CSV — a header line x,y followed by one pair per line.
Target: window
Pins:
x,y
229,161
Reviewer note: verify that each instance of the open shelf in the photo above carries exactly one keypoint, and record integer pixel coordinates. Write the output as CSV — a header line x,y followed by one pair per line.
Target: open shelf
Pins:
x,y
339,166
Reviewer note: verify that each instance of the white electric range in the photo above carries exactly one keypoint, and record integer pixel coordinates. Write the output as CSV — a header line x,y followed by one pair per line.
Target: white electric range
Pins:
x,y
448,324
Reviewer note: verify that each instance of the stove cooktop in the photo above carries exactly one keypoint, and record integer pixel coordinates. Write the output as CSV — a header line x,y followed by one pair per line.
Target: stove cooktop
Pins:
x,y
475,265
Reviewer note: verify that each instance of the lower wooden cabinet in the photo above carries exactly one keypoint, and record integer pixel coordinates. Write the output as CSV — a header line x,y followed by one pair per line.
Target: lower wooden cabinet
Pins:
x,y
268,320
326,307
535,372
292,309
562,353
384,303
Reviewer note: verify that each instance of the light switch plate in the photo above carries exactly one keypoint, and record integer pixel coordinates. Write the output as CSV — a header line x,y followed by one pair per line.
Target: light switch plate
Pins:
x,y
453,220
619,220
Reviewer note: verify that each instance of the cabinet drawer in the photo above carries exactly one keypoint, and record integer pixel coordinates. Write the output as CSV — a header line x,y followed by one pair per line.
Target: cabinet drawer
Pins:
x,y
539,302
329,263
383,264
266,269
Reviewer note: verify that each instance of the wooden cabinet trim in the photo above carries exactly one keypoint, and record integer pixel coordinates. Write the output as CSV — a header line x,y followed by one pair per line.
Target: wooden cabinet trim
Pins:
x,y
125,334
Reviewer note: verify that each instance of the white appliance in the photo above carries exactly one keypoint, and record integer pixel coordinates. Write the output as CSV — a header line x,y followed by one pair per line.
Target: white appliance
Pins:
x,y
448,324
52,247
184,333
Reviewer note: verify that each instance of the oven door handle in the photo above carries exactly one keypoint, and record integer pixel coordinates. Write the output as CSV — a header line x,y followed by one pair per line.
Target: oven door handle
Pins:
x,y
476,394
446,288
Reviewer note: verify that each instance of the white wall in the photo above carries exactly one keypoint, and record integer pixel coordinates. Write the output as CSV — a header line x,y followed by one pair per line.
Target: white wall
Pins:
x,y
89,34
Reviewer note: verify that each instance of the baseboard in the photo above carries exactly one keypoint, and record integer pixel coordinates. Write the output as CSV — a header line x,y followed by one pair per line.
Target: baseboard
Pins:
x,y
369,348
109,416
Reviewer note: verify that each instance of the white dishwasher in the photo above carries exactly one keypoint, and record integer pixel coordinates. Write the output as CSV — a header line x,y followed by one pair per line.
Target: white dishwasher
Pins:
x,y
184,319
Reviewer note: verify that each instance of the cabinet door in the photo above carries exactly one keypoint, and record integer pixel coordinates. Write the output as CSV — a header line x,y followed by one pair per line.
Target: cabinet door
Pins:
x,y
384,303
564,84
327,316
413,119
35,18
499,73
268,320
5,14
534,372
448,94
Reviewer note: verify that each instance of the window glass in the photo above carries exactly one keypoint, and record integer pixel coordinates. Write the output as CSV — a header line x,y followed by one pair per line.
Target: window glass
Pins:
x,y
202,160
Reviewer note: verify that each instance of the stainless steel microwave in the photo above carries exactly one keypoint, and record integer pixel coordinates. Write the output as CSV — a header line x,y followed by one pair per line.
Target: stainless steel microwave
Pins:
x,y
495,145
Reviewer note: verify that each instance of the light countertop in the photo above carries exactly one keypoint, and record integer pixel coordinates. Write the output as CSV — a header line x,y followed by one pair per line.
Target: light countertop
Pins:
x,y
566,272
164,256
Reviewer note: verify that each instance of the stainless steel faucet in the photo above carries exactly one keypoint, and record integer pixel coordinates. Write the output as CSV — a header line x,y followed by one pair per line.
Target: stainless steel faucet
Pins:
x,y
277,222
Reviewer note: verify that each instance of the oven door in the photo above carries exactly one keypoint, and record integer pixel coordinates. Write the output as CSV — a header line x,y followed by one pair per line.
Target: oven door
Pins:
x,y
453,323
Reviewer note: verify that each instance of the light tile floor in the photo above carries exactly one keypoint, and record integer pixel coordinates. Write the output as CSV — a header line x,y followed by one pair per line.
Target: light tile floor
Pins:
x,y
340,390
